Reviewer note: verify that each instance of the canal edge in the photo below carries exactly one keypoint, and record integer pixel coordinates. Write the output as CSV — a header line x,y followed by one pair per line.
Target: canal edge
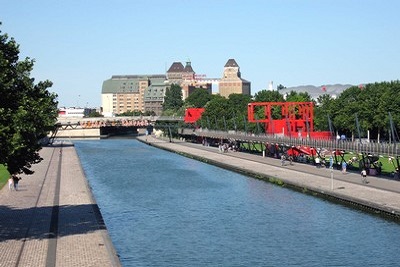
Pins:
x,y
112,252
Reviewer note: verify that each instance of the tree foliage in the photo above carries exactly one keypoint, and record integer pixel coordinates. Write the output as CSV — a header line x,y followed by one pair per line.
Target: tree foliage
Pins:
x,y
94,114
225,113
268,96
322,111
173,98
198,98
371,105
294,96
27,110
280,87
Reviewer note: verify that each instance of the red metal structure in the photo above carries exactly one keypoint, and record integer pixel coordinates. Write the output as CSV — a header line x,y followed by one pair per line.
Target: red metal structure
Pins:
x,y
296,118
193,114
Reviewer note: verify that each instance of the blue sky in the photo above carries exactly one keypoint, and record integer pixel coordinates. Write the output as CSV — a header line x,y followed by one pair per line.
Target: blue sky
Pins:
x,y
78,44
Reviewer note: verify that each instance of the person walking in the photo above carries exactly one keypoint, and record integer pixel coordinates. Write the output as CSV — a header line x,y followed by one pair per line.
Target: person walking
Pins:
x,y
10,183
15,179
318,162
344,167
364,176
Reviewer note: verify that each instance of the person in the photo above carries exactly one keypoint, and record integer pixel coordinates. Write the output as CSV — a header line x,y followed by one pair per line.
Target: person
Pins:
x,y
344,167
15,180
291,160
10,183
364,176
318,162
282,160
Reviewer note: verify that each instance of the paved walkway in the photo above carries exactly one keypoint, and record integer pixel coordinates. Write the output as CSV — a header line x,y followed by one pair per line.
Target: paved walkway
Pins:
x,y
53,220
380,194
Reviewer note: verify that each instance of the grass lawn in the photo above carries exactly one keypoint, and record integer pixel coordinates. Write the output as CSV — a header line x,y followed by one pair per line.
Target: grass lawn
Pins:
x,y
387,166
4,175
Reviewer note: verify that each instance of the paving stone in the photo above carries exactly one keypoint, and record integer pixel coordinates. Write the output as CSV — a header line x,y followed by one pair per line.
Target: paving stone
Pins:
x,y
26,216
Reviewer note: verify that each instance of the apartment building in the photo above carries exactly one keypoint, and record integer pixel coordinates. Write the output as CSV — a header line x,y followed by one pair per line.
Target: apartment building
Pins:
x,y
123,93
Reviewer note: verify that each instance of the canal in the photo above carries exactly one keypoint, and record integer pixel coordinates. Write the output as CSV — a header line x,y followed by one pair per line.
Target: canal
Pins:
x,y
162,209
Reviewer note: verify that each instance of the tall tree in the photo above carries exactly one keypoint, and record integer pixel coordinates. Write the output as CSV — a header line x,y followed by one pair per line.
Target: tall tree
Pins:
x,y
280,87
237,110
27,110
214,112
198,98
294,96
323,109
173,98
268,96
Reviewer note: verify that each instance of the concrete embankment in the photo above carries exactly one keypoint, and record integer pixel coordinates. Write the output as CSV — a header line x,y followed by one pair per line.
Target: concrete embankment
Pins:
x,y
53,219
380,195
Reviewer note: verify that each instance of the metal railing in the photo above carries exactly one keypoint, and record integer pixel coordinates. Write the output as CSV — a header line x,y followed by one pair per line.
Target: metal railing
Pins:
x,y
388,149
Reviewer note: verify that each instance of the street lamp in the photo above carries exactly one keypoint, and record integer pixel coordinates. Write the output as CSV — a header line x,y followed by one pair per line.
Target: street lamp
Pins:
x,y
331,168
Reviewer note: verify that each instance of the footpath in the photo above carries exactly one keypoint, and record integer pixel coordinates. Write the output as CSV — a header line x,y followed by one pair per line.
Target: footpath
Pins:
x,y
379,195
53,219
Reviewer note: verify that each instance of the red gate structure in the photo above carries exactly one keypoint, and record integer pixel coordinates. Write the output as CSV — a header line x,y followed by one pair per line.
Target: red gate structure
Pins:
x,y
296,118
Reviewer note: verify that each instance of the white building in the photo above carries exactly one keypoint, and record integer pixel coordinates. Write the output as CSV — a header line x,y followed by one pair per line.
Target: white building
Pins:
x,y
72,112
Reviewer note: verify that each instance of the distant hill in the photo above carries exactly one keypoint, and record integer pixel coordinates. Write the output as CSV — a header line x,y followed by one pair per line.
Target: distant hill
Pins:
x,y
315,91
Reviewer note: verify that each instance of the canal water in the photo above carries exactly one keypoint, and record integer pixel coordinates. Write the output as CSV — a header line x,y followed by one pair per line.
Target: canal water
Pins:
x,y
162,209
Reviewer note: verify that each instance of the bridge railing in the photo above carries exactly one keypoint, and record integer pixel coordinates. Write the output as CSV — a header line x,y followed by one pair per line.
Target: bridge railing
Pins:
x,y
100,122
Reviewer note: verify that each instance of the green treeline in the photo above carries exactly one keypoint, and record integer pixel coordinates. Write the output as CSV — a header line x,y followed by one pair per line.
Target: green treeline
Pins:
x,y
370,105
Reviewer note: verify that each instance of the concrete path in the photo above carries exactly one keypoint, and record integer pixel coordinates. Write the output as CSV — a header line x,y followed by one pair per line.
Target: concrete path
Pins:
x,y
380,194
53,220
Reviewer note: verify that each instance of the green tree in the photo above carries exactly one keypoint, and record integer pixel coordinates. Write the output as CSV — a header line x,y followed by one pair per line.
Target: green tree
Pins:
x,y
325,107
27,110
198,98
149,113
173,98
294,96
237,110
280,87
215,110
130,113
94,114
269,96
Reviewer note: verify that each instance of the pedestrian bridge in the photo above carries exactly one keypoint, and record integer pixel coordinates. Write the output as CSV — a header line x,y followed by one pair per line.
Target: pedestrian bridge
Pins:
x,y
75,127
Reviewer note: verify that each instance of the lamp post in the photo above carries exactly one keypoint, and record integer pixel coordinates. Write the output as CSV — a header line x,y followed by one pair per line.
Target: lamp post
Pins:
x,y
331,168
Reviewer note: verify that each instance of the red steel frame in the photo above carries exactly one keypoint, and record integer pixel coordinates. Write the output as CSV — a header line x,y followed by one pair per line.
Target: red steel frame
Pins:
x,y
295,115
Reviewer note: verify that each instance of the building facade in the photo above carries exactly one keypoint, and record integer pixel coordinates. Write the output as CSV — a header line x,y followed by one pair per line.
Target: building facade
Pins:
x,y
145,93
186,78
154,98
124,93
232,82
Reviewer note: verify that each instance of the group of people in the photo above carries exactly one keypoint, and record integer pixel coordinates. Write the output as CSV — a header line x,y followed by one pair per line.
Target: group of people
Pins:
x,y
13,182
225,147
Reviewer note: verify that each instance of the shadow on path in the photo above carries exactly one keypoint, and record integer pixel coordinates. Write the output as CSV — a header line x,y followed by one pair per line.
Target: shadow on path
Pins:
x,y
34,223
